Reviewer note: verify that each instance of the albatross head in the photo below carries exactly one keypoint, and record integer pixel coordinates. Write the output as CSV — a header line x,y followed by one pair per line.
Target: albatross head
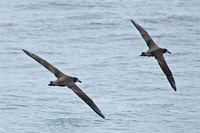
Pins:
x,y
77,80
166,51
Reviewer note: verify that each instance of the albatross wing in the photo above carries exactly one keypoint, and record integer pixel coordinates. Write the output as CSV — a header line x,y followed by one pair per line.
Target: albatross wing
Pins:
x,y
69,83
167,71
43,62
86,99
151,44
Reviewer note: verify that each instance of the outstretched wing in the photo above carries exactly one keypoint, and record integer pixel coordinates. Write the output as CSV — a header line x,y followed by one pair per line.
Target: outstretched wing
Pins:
x,y
167,71
151,44
43,62
86,99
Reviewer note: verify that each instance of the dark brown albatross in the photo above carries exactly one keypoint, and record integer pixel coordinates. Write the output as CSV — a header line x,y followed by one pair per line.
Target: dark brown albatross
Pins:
x,y
65,80
156,52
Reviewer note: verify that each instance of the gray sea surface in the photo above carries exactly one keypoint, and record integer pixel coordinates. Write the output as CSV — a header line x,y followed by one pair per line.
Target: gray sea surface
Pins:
x,y
96,42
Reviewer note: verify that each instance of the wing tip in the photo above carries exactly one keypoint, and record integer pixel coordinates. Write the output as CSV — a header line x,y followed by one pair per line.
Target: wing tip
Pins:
x,y
137,25
133,21
174,87
101,115
98,111
25,51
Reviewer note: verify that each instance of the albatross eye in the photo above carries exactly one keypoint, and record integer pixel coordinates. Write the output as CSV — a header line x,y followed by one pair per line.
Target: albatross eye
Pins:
x,y
75,79
165,50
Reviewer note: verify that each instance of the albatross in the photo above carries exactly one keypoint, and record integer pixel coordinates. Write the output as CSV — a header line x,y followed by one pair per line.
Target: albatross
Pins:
x,y
157,52
65,80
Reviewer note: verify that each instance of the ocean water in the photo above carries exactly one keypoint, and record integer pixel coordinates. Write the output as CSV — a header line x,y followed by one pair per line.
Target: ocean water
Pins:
x,y
96,42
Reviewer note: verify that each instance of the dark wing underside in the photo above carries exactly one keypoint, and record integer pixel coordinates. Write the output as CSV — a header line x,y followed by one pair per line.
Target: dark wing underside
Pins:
x,y
43,62
86,99
167,71
150,43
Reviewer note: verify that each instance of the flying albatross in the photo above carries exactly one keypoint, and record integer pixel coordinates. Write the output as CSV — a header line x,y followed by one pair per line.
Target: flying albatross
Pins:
x,y
65,80
156,52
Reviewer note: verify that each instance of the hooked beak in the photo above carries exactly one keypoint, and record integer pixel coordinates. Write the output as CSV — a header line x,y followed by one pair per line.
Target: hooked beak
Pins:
x,y
79,81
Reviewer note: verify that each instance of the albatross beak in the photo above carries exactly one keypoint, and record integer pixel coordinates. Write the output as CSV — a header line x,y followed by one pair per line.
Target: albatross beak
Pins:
x,y
79,81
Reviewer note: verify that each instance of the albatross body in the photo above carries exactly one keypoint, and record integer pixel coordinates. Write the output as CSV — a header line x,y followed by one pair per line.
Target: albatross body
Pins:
x,y
65,80
157,52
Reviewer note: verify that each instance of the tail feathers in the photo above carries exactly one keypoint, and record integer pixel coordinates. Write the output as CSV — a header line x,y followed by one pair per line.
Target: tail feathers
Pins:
x,y
51,83
143,54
